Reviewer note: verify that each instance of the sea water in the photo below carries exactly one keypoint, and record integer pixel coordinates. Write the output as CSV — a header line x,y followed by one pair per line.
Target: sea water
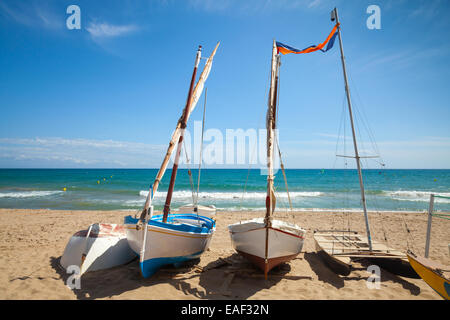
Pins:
x,y
227,189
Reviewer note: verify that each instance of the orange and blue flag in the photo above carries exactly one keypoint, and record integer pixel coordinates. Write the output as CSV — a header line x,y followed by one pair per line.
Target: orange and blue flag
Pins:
x,y
284,49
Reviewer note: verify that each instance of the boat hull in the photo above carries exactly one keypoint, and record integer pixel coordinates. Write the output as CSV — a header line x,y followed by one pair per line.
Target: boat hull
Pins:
x,y
338,249
400,267
340,265
175,242
249,240
104,247
424,268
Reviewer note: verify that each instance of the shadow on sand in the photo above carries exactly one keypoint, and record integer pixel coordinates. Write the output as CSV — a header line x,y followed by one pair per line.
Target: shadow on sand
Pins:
x,y
240,279
387,276
325,274
235,279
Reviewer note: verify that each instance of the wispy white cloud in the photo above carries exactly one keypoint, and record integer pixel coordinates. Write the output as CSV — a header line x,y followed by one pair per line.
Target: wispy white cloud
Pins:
x,y
422,152
61,152
106,30
32,14
314,3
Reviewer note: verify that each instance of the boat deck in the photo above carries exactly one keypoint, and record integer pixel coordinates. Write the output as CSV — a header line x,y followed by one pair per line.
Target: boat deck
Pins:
x,y
347,243
440,269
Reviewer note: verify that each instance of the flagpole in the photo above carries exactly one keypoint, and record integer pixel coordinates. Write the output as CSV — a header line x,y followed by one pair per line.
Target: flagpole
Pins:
x,y
334,15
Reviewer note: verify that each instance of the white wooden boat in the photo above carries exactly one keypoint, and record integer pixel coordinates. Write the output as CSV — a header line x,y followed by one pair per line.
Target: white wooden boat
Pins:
x,y
207,211
264,241
285,241
172,238
99,247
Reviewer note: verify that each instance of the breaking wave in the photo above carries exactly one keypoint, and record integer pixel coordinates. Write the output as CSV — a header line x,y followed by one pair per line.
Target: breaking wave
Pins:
x,y
423,196
233,195
28,194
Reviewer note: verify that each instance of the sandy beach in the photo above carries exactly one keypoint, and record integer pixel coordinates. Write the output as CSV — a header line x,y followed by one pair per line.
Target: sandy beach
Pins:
x,y
32,242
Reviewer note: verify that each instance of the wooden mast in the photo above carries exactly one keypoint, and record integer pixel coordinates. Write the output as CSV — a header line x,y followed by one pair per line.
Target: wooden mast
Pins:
x,y
180,139
195,96
270,125
334,15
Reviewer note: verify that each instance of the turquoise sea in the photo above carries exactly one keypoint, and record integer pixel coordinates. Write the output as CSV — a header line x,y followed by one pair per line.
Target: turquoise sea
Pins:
x,y
112,189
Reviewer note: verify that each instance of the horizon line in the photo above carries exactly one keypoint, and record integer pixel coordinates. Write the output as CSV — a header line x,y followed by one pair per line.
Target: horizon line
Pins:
x,y
155,168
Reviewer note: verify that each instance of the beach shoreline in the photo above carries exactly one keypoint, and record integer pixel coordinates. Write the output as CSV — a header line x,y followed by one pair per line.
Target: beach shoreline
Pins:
x,y
32,241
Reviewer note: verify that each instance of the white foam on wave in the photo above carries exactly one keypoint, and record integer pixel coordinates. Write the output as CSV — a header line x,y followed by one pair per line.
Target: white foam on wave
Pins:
x,y
232,195
28,194
337,210
135,202
413,195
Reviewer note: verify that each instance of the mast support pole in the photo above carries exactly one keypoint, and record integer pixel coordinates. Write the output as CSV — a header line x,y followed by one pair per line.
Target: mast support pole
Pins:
x,y
334,15
180,139
430,218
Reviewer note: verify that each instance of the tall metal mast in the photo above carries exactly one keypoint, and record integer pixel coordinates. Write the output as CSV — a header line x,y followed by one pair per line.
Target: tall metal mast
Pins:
x,y
334,15
180,140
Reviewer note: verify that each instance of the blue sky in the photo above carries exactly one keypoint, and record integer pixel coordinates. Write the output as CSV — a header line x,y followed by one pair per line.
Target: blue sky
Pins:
x,y
109,95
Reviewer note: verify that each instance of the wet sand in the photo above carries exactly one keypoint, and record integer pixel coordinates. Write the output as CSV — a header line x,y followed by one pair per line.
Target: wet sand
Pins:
x,y
32,242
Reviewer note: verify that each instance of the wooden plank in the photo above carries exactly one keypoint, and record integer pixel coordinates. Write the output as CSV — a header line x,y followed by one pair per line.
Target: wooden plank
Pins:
x,y
374,252
334,231
343,241
350,255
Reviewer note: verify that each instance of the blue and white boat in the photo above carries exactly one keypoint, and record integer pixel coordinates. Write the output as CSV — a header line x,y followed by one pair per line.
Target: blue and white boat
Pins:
x,y
173,238
183,237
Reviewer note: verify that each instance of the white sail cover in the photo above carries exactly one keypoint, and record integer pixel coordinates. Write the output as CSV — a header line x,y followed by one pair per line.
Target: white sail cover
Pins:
x,y
176,134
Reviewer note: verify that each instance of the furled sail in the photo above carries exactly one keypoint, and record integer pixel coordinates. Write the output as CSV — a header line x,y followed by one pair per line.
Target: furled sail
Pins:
x,y
176,134
270,124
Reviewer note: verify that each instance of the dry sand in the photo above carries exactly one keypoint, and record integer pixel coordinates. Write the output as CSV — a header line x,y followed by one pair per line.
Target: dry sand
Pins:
x,y
32,241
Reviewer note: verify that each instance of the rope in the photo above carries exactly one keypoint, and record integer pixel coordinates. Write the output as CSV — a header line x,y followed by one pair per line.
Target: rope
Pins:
x,y
375,202
284,173
341,122
201,149
409,236
440,215
189,171
281,201
444,197
361,116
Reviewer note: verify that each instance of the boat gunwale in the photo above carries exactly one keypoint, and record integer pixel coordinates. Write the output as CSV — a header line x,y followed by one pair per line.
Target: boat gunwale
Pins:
x,y
180,228
410,255
275,229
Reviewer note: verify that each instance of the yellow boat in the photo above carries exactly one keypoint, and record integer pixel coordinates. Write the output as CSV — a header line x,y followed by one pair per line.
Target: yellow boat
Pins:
x,y
437,276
